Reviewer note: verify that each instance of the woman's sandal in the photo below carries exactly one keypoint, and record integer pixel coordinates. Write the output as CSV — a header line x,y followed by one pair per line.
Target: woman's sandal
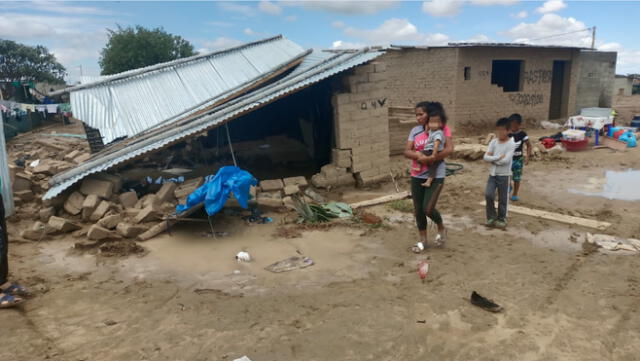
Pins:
x,y
441,238
8,301
418,247
15,290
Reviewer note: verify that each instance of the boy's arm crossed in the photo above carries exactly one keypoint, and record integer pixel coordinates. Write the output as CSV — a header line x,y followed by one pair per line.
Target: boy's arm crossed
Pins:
x,y
488,156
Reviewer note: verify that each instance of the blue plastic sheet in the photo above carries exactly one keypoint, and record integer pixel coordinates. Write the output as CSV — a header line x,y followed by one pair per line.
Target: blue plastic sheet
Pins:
x,y
216,190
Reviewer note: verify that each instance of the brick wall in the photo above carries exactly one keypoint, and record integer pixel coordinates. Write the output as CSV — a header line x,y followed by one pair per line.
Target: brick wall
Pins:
x,y
479,103
595,80
361,125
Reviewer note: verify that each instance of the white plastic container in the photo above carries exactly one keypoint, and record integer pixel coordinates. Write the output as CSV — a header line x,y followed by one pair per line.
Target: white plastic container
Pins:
x,y
574,135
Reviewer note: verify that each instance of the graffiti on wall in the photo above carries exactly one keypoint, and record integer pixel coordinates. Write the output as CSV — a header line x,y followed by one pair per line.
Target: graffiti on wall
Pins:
x,y
483,73
530,100
539,76
374,104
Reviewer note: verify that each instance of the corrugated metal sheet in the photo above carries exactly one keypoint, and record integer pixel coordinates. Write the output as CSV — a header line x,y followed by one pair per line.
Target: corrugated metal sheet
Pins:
x,y
128,103
316,67
7,193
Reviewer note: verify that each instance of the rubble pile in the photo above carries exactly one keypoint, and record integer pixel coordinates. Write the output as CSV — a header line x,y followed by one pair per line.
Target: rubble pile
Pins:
x,y
276,193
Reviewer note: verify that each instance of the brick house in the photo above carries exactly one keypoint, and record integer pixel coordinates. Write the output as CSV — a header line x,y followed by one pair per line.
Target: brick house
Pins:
x,y
477,84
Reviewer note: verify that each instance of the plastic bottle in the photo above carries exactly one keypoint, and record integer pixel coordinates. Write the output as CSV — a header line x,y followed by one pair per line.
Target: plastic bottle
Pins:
x,y
423,269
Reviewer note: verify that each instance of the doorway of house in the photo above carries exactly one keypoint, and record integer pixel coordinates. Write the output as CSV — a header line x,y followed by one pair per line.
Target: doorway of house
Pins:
x,y
559,88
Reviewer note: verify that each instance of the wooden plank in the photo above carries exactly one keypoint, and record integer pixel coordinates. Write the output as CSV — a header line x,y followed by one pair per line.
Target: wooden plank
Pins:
x,y
562,218
614,144
379,200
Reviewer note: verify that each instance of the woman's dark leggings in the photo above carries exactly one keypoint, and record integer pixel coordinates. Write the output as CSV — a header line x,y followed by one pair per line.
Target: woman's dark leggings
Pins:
x,y
424,201
4,245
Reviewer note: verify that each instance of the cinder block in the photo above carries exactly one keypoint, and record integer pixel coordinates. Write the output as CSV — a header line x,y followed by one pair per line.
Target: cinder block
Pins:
x,y
341,157
269,185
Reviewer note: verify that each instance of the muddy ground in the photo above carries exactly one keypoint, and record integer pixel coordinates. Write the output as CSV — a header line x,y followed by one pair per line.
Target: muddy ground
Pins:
x,y
186,298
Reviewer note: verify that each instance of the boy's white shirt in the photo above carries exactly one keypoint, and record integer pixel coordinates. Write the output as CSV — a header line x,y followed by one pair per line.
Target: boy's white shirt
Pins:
x,y
500,167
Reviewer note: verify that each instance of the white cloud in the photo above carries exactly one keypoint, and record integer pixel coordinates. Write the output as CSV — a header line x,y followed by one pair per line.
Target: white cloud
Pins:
x,y
345,7
396,31
547,30
249,32
220,24
291,18
339,44
494,2
521,15
219,43
628,59
338,24
551,6
442,7
245,10
480,38
269,7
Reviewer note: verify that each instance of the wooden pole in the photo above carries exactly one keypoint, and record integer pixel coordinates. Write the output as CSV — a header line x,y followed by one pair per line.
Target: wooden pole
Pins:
x,y
593,38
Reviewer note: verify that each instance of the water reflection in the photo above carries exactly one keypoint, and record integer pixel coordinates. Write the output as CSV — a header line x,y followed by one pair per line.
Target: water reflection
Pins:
x,y
617,185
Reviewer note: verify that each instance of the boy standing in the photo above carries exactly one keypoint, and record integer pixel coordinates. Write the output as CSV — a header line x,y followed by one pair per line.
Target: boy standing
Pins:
x,y
521,138
500,155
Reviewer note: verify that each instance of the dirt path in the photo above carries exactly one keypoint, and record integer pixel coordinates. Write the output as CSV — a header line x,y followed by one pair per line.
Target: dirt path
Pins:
x,y
188,299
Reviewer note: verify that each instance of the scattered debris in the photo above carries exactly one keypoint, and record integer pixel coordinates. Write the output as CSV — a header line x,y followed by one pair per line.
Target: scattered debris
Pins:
x,y
243,257
545,124
290,264
423,269
484,303
612,243
370,218
120,248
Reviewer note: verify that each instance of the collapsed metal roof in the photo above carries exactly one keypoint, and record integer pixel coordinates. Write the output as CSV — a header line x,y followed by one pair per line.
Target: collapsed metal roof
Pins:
x,y
315,67
129,103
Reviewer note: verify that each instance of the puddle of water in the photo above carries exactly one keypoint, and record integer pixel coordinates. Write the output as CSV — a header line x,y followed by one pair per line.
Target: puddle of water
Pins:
x,y
616,185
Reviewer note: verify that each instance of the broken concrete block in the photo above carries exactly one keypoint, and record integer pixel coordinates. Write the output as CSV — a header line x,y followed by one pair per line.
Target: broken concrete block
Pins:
x,y
24,195
100,211
129,230
128,199
98,233
84,245
82,158
22,182
148,214
341,158
288,203
188,187
320,181
269,202
110,221
166,192
271,185
35,233
150,200
47,168
153,231
81,233
115,180
301,182
46,213
74,203
291,189
89,206
102,189
71,155
272,195
62,225
131,212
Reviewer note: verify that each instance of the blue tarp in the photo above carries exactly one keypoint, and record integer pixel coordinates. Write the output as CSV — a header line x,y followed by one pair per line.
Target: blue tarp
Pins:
x,y
216,190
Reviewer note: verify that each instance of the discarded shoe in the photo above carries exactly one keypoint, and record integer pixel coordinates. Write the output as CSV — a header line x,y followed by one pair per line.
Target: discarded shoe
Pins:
x,y
484,303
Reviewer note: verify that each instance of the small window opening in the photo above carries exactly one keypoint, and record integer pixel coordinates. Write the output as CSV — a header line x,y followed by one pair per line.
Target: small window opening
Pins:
x,y
507,74
467,72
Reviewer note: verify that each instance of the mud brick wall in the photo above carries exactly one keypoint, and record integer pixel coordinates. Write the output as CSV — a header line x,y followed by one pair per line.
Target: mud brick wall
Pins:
x,y
417,75
596,78
361,125
480,103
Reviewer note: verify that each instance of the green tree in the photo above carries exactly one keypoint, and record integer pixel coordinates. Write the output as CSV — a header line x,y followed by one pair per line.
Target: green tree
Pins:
x,y
19,62
132,48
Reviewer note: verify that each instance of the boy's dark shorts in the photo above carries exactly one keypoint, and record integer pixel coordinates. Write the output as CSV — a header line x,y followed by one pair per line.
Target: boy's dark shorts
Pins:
x,y
516,168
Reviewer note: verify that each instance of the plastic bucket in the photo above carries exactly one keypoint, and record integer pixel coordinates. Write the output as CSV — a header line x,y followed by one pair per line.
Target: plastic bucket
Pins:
x,y
574,146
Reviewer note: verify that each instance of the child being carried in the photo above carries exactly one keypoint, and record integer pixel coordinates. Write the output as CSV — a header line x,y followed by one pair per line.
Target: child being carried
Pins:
x,y
434,145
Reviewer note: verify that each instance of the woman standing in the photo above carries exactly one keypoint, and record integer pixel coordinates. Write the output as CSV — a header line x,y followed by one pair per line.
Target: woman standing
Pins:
x,y
425,198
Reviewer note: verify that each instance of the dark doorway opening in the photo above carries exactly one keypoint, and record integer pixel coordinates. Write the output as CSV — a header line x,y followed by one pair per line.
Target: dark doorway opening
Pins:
x,y
559,89
507,74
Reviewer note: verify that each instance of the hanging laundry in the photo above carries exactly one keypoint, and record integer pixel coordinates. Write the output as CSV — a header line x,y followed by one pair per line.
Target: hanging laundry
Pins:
x,y
52,108
41,108
29,107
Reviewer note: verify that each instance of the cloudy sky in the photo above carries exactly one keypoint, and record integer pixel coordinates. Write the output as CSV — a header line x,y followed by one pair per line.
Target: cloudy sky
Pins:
x,y
76,31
